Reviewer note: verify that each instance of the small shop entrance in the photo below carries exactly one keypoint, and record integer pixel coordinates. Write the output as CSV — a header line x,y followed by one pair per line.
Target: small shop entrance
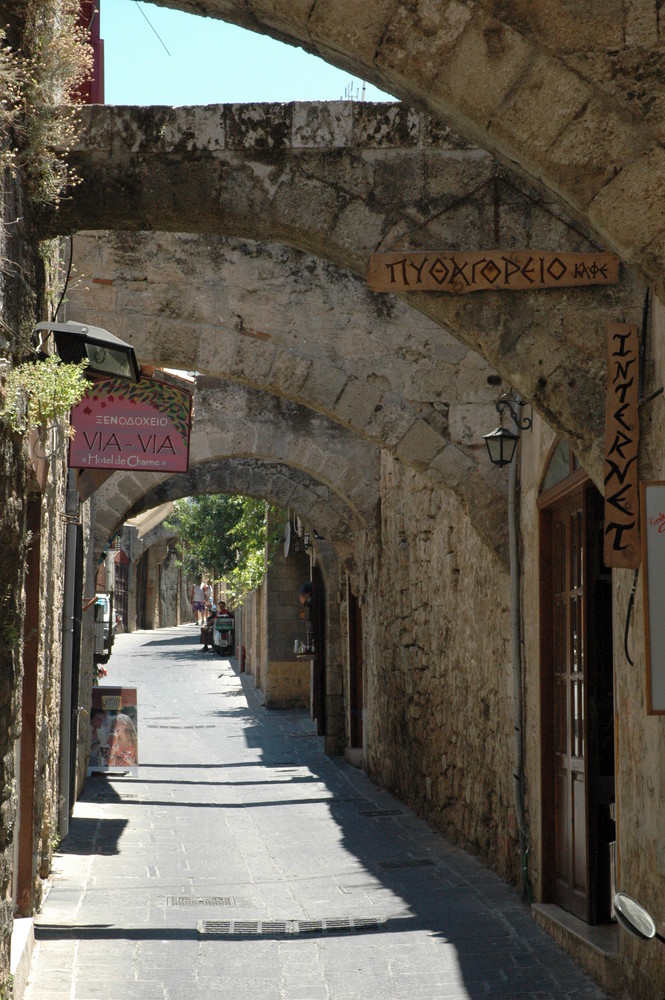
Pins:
x,y
577,704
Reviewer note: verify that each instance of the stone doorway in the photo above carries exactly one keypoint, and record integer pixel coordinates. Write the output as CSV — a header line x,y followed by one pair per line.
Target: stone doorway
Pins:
x,y
577,703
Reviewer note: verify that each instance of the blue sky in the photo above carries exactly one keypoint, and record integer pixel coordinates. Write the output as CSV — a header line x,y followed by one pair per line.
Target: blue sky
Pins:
x,y
208,62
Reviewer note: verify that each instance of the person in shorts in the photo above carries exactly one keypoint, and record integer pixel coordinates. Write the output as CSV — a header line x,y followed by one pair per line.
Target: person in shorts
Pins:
x,y
198,600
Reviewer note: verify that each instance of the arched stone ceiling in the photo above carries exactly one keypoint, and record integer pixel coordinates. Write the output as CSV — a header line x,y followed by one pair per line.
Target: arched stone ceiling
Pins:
x,y
571,94
233,422
233,419
342,180
296,326
282,485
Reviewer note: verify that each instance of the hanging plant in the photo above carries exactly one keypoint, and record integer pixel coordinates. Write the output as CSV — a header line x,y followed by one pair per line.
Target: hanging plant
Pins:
x,y
39,393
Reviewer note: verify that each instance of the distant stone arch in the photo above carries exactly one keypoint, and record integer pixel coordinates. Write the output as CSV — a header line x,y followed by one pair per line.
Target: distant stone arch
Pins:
x,y
234,422
274,482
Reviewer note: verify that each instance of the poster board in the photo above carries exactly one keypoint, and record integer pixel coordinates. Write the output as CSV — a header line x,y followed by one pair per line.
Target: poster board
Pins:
x,y
114,741
652,498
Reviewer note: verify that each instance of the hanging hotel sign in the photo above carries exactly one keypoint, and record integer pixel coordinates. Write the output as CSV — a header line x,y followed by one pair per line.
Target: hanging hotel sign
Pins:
x,y
622,530
142,426
459,272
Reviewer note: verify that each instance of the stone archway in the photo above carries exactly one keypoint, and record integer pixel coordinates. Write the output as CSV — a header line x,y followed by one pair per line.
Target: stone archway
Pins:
x,y
342,184
297,327
573,97
234,423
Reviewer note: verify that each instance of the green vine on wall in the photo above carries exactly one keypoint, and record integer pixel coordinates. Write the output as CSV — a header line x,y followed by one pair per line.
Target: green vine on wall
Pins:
x,y
52,58
39,393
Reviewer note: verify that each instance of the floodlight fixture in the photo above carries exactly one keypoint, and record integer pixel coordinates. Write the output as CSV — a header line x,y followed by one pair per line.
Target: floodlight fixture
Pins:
x,y
105,353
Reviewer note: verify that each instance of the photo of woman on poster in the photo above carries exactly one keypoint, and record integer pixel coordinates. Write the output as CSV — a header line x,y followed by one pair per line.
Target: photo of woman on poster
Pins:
x,y
123,743
114,742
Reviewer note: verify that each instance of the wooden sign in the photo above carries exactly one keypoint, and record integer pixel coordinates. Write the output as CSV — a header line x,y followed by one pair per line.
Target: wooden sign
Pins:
x,y
622,534
653,584
489,270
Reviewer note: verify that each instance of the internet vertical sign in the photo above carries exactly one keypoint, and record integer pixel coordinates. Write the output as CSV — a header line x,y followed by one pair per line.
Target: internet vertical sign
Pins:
x,y
622,529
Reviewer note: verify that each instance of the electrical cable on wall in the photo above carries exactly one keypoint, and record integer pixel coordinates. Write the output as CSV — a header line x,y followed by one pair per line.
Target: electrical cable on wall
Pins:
x,y
69,271
631,601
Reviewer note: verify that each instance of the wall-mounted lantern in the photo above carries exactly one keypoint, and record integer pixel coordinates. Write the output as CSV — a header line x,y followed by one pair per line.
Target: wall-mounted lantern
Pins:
x,y
501,442
105,353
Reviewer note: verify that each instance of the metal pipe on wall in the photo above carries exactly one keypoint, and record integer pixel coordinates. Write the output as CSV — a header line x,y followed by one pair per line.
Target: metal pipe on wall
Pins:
x,y
516,657
66,678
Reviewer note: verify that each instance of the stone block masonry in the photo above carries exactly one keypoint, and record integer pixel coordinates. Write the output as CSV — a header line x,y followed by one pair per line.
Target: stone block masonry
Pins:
x,y
438,708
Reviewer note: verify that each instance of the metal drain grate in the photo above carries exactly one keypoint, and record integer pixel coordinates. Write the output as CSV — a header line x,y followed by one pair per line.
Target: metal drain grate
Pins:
x,y
381,812
407,863
180,726
200,901
114,798
269,927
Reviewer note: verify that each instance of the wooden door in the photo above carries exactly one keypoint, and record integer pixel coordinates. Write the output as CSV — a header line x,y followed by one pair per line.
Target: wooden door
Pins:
x,y
577,706
569,703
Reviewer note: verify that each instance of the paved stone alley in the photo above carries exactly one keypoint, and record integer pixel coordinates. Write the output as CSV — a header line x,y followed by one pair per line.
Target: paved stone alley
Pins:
x,y
243,863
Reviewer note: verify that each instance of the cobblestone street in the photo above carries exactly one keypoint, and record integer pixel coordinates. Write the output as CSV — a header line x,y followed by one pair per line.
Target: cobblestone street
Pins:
x,y
243,863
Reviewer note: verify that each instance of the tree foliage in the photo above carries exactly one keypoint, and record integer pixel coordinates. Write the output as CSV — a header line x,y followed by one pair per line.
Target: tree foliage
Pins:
x,y
223,537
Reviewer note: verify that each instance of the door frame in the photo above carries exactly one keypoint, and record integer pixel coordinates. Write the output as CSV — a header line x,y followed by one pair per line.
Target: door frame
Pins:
x,y
596,604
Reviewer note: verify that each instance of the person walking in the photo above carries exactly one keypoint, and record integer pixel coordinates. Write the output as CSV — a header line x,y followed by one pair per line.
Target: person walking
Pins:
x,y
198,600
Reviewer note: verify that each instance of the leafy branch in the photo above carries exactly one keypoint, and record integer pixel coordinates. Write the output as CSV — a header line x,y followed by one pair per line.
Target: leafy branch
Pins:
x,y
38,393
224,537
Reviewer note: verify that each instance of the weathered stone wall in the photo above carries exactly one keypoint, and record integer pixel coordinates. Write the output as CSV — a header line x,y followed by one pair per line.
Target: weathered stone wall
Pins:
x,y
287,679
438,706
170,590
21,287
47,735
640,737
17,262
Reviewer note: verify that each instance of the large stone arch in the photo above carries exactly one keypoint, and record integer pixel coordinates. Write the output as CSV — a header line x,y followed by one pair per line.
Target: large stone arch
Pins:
x,y
342,180
571,94
296,326
235,422
282,485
